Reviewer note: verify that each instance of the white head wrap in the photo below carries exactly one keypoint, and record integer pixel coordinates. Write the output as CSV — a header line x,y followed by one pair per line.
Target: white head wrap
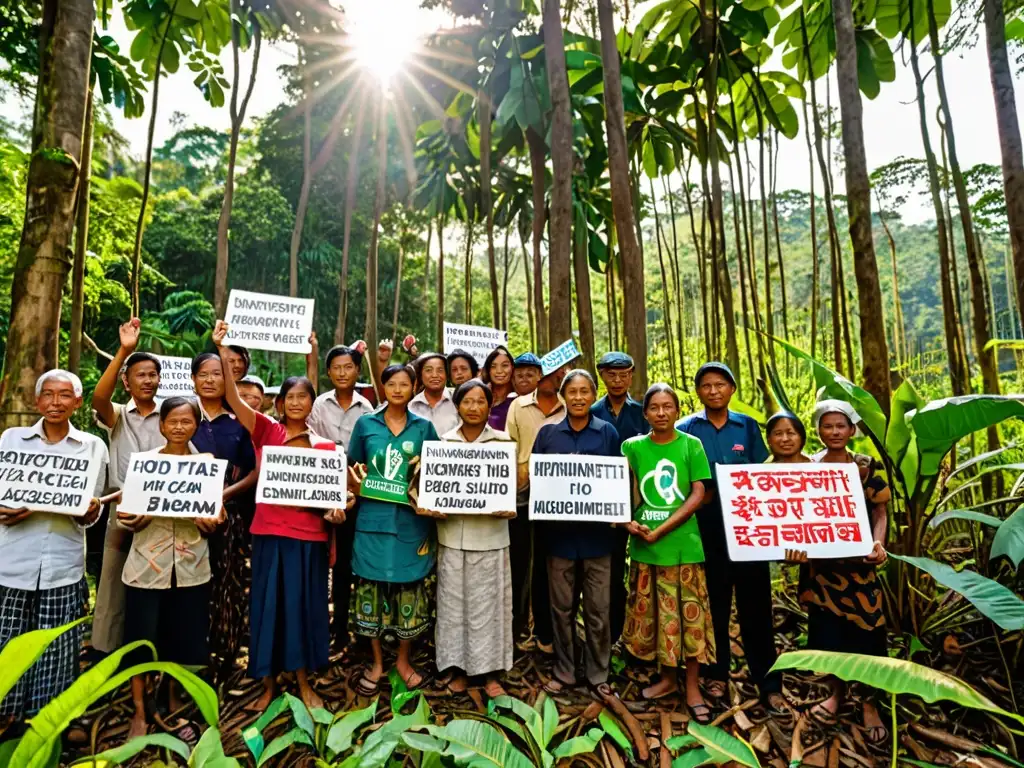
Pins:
x,y
835,406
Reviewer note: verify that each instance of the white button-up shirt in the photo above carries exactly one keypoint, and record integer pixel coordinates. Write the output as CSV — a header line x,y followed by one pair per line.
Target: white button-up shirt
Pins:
x,y
328,419
444,416
46,550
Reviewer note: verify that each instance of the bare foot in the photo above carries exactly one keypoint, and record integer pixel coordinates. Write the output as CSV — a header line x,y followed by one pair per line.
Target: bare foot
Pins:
x,y
717,689
458,684
138,726
311,699
261,704
493,688
664,687
409,675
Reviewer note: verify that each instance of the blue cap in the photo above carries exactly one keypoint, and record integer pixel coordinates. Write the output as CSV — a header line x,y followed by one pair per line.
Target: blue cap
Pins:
x,y
615,360
714,367
525,359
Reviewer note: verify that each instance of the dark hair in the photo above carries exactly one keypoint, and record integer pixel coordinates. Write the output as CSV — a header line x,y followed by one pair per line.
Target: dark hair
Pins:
x,y
485,372
467,386
455,354
177,401
392,370
243,353
657,388
423,359
198,360
785,415
340,351
577,373
296,381
141,357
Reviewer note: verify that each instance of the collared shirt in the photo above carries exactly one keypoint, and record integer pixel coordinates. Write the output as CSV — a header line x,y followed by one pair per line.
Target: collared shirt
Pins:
x,y
738,441
579,541
46,550
476,533
131,433
329,419
444,416
225,438
525,418
629,423
166,547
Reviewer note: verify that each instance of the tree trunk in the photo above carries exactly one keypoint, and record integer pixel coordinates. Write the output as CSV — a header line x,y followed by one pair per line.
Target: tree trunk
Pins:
x,y
351,179
538,171
81,243
666,299
398,279
1010,147
858,188
634,299
740,259
584,308
237,113
677,285
440,281
509,264
747,254
773,170
899,334
370,331
51,191
769,312
815,264
698,247
484,118
307,183
529,302
467,276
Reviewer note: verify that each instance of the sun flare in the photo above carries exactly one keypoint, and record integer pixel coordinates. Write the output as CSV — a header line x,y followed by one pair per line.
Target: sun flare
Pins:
x,y
383,35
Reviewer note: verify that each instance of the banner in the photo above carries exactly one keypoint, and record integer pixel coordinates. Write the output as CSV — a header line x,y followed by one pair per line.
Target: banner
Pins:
x,y
478,340
561,355
265,321
303,477
47,482
468,478
817,508
580,488
175,377
173,486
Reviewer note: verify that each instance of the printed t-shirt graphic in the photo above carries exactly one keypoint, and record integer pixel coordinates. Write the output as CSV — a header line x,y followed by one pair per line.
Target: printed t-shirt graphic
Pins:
x,y
387,472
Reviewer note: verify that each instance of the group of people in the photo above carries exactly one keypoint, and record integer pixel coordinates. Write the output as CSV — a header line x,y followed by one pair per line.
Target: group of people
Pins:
x,y
263,576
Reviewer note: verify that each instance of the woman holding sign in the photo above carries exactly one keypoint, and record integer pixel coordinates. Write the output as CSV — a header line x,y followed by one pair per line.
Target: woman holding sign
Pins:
x,y
392,552
667,618
288,616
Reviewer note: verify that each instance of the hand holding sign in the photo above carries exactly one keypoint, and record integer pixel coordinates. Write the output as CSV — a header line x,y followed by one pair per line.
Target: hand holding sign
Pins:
x,y
169,485
209,525
13,516
220,331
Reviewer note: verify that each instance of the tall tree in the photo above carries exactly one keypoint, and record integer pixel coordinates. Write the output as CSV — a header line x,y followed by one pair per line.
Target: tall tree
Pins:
x,y
81,244
351,179
538,172
370,331
484,118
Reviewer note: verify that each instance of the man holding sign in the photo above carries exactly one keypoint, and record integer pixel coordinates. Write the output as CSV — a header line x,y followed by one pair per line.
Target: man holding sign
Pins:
x,y
54,466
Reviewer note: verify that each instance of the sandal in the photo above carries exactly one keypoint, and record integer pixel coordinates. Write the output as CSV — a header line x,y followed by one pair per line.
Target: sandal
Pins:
x,y
187,731
717,689
554,686
701,713
493,689
410,687
877,737
367,686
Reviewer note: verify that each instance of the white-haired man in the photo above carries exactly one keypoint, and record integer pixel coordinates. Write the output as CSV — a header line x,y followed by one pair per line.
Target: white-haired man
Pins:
x,y
42,554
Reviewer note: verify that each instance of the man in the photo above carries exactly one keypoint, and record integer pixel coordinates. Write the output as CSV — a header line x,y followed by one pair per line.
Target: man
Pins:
x,y
527,414
42,554
251,390
526,373
334,416
131,428
434,401
732,438
627,416
462,367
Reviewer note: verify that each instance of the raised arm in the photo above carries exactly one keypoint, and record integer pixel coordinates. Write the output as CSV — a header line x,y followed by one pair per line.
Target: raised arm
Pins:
x,y
377,365
102,396
246,416
313,361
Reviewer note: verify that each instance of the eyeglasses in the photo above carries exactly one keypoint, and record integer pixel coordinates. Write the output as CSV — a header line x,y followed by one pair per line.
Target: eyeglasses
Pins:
x,y
209,376
617,375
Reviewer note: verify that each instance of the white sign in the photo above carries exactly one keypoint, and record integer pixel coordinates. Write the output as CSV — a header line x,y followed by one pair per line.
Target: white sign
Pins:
x,y
265,321
303,477
579,488
47,482
468,478
561,355
175,377
478,340
163,485
816,508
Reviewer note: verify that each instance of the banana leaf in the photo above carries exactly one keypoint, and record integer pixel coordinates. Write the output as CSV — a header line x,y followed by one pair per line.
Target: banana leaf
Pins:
x,y
978,459
339,736
23,651
1009,540
286,740
964,514
524,712
579,745
549,713
722,746
481,740
253,735
900,441
693,758
381,744
130,749
614,730
209,752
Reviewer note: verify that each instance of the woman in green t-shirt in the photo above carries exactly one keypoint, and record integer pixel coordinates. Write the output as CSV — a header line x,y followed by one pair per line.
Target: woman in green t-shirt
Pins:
x,y
667,615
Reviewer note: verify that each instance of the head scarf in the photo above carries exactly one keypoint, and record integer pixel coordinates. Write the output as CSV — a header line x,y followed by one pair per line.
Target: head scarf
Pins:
x,y
836,406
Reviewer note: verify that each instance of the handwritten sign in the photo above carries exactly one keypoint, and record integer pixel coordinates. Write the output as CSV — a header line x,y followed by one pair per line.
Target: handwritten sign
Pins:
x,y
303,477
47,482
468,478
264,321
817,508
175,377
478,340
561,355
579,488
161,485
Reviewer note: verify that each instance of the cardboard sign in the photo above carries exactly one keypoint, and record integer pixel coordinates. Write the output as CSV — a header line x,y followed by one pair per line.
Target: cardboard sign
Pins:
x,y
478,340
265,321
47,482
175,377
817,508
468,478
561,355
161,485
580,488
303,477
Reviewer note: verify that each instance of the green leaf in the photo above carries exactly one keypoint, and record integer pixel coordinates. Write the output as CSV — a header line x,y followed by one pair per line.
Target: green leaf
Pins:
x,y
209,752
680,741
284,741
1009,540
549,712
23,651
916,646
381,744
693,758
400,693
300,714
964,514
129,749
614,729
579,745
482,740
339,737
253,735
722,746
524,712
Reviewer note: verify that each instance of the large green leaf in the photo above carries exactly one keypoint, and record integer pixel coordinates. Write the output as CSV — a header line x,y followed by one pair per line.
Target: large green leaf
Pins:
x,y
899,437
129,749
286,740
23,651
209,752
526,713
964,514
381,744
253,735
991,598
339,736
549,713
579,745
692,758
615,730
482,740
1009,540
894,676
722,746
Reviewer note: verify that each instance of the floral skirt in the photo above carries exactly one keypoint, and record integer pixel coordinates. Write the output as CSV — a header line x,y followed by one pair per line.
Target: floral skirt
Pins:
x,y
667,616
385,608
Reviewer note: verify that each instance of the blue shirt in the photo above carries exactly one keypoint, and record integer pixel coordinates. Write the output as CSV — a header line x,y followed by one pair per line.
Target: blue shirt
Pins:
x,y
227,439
738,441
578,541
629,423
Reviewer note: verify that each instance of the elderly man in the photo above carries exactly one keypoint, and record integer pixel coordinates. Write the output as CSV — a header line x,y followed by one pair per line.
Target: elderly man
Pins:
x,y
42,554
526,373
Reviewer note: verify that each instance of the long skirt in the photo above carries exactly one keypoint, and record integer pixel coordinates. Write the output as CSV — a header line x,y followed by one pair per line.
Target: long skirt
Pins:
x,y
844,607
474,610
230,552
288,617
389,608
667,618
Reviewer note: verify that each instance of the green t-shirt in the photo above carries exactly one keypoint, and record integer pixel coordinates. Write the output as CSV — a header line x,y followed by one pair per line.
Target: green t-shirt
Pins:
x,y
664,474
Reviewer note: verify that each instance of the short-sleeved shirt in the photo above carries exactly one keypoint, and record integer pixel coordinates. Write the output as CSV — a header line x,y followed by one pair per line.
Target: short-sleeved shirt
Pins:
x,y
629,423
225,438
664,476
132,433
278,519
525,418
739,440
328,418
499,413
578,541
443,414
47,550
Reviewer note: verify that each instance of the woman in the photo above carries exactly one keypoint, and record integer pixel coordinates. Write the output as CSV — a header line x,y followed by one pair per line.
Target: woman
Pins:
x,y
220,433
392,551
843,597
497,373
288,614
462,367
474,576
237,361
786,437
667,614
